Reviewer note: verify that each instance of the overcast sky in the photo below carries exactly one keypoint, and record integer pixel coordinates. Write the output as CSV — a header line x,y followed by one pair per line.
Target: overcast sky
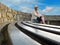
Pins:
x,y
47,7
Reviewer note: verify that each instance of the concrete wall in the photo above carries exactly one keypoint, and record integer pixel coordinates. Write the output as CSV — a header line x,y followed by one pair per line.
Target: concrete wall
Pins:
x,y
55,22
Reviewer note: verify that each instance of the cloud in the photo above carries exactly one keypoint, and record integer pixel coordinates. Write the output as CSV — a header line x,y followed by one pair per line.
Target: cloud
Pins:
x,y
47,9
19,2
26,9
28,5
54,11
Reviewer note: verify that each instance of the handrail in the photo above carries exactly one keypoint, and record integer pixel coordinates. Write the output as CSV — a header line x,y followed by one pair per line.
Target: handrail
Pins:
x,y
41,35
48,29
45,25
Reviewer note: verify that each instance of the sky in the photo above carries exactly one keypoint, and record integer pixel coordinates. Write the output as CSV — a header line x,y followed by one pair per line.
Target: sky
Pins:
x,y
47,7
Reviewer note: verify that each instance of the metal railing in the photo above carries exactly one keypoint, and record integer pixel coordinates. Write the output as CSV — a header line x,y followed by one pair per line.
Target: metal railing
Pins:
x,y
44,27
40,35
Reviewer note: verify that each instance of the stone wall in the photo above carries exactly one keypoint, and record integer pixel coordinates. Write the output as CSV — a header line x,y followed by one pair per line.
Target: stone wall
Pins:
x,y
9,15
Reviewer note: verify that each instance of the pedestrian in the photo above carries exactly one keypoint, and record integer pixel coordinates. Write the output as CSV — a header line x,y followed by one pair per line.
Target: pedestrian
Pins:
x,y
38,16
